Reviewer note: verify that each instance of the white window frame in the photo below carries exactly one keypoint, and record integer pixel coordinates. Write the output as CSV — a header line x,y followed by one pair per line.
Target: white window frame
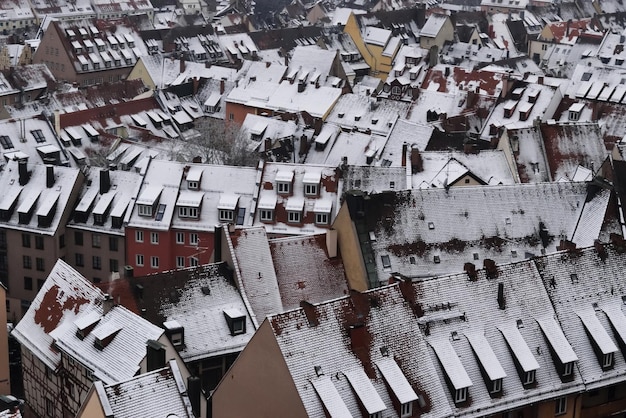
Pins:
x,y
188,212
138,236
496,386
406,409
529,377
177,339
294,217
322,218
310,189
460,395
139,259
193,238
283,187
574,116
193,185
180,238
607,360
227,215
239,329
194,262
560,406
267,215
144,210
154,237
180,261
568,368
154,262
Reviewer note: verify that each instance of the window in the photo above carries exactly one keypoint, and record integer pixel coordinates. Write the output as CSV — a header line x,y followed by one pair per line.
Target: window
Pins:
x,y
293,217
38,135
154,237
145,210
310,189
154,262
226,215
97,262
231,116
496,386
386,261
460,395
321,218
560,406
113,244
192,185
406,409
544,47
376,415
80,262
193,238
95,240
187,212
193,262
40,283
180,262
49,406
138,236
568,368
283,188
607,360
180,238
40,264
529,377
5,141
26,240
38,242
28,283
114,265
267,215
78,238
139,259
27,262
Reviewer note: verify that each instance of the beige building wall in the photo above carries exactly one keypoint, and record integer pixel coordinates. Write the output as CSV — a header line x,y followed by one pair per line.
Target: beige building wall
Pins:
x,y
139,71
91,408
380,65
259,380
350,250
5,382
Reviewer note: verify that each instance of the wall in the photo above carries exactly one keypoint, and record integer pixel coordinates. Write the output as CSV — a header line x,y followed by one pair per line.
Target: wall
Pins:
x,y
259,383
40,388
350,250
91,408
5,383
87,250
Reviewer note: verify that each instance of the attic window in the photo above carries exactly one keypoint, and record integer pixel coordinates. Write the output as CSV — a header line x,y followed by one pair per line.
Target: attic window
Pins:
x,y
236,321
529,378
386,261
357,118
431,225
574,278
437,259
175,332
374,121
340,115
105,334
38,135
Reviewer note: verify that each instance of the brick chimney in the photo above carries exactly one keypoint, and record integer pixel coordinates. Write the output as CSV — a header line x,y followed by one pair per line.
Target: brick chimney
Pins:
x,y
49,176
182,65
105,181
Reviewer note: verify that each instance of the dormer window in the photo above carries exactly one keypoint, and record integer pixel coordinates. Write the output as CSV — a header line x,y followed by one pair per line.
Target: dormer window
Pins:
x,y
496,386
227,207
267,206
607,361
105,334
311,182
176,333
568,369
460,395
574,111
284,179
236,321
148,200
294,208
529,378
322,209
144,210
406,410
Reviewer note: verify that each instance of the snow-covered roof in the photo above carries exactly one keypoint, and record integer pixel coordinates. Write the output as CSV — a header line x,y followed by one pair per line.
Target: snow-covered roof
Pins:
x,y
433,25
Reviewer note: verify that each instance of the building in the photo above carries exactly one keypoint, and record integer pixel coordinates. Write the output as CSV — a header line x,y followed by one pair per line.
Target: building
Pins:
x,y
36,205
73,335
437,30
5,376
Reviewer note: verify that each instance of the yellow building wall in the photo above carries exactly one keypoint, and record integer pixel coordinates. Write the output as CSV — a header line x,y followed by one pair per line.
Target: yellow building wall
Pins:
x,y
380,65
350,248
139,71
259,383
5,383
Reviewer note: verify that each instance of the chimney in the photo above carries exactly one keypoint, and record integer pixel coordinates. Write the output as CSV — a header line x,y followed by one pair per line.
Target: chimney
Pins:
x,y
105,181
193,392
416,160
358,337
470,269
222,84
22,168
602,254
501,300
286,60
217,244
301,86
155,355
405,148
57,123
310,313
182,66
49,176
267,64
107,304
331,242
196,84
490,268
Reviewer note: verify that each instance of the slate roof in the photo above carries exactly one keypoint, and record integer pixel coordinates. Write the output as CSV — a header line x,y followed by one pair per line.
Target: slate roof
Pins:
x,y
156,393
196,298
50,325
435,231
316,337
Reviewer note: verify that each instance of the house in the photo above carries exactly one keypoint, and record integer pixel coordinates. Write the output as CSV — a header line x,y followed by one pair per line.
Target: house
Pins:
x,y
437,30
206,318
561,32
96,241
37,201
89,52
297,199
156,392
414,233
16,15
177,208
73,335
